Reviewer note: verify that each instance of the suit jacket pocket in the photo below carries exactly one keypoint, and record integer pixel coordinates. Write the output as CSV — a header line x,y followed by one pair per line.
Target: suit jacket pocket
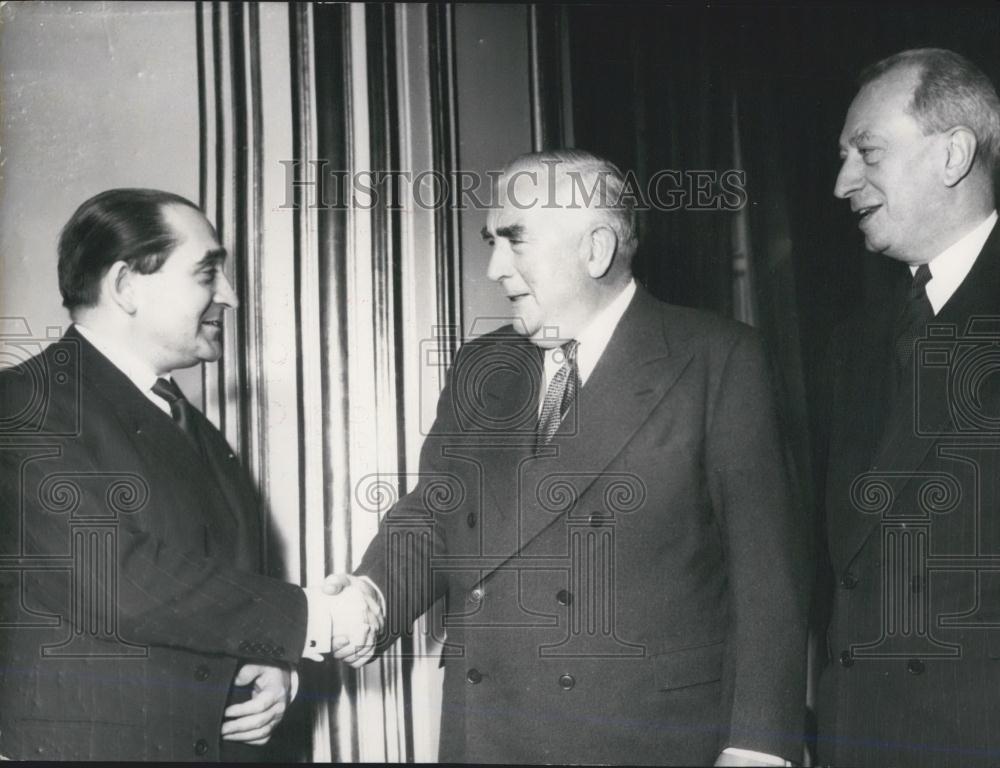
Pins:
x,y
689,666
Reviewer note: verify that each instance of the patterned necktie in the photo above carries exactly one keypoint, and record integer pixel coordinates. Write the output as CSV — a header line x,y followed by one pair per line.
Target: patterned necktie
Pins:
x,y
559,396
181,410
911,322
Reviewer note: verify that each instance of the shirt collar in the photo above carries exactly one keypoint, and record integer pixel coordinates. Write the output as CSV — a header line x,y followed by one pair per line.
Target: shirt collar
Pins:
x,y
593,339
950,267
137,370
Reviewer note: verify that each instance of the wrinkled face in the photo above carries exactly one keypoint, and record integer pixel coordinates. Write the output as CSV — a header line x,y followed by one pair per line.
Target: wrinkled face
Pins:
x,y
891,171
179,308
539,257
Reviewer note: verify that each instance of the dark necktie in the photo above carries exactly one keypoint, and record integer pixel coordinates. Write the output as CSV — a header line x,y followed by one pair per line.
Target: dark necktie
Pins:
x,y
181,410
911,322
559,396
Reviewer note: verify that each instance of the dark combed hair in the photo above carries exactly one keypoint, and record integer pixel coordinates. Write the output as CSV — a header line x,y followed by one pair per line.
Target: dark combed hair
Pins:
x,y
951,91
116,225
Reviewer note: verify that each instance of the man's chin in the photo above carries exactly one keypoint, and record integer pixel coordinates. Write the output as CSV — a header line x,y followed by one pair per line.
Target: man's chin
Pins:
x,y
210,351
522,328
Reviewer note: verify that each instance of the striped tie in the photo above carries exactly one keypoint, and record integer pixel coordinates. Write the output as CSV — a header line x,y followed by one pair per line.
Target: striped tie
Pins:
x,y
559,396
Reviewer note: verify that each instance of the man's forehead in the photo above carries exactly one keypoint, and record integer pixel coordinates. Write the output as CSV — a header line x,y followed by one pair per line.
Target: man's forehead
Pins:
x,y
525,189
187,222
878,104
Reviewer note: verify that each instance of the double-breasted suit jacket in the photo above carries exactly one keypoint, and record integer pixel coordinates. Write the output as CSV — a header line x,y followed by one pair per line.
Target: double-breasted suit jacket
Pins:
x,y
634,592
912,503
129,570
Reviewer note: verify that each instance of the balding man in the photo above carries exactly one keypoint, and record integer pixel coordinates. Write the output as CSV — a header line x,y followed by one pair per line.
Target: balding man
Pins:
x,y
911,493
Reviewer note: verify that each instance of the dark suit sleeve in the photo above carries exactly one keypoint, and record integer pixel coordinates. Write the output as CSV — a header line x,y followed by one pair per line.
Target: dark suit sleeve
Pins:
x,y
764,540
398,560
124,577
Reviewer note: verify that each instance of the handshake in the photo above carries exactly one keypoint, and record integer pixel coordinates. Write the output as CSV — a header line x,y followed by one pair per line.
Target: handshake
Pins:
x,y
346,617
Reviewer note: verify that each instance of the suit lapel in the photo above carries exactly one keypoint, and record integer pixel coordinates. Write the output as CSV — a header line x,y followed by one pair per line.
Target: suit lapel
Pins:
x,y
154,437
240,501
922,406
510,408
920,413
635,372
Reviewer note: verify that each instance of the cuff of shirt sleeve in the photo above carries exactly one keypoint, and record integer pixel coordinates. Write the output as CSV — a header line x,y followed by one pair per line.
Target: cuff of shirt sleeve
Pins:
x,y
761,757
319,626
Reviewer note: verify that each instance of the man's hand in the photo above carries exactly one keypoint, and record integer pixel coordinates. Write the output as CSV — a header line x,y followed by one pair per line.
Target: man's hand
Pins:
x,y
253,721
357,618
734,758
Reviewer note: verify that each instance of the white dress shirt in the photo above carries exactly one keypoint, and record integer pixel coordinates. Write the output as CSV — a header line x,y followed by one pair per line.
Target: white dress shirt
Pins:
x,y
591,341
950,267
138,371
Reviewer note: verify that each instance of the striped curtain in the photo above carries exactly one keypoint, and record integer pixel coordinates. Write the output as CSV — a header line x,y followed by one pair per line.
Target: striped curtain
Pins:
x,y
347,313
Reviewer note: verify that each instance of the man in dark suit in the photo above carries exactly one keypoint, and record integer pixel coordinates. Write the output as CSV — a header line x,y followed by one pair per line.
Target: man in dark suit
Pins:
x,y
913,479
134,612
603,509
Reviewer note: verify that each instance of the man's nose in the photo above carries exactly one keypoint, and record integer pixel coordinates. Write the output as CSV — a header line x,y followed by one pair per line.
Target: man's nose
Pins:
x,y
850,179
224,293
499,265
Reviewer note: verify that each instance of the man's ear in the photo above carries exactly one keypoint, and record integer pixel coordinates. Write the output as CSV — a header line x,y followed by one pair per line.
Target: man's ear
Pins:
x,y
118,284
961,149
603,247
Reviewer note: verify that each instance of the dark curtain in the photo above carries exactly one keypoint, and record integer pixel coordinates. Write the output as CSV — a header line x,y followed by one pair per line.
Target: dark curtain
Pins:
x,y
649,92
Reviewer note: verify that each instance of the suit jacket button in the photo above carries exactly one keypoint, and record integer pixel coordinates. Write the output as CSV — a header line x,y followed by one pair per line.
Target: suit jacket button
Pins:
x,y
200,747
477,594
848,581
474,676
564,597
471,520
845,659
566,682
201,673
915,667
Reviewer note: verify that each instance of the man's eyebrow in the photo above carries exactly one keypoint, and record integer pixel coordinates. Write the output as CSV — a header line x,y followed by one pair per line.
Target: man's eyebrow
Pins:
x,y
212,258
511,232
860,136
